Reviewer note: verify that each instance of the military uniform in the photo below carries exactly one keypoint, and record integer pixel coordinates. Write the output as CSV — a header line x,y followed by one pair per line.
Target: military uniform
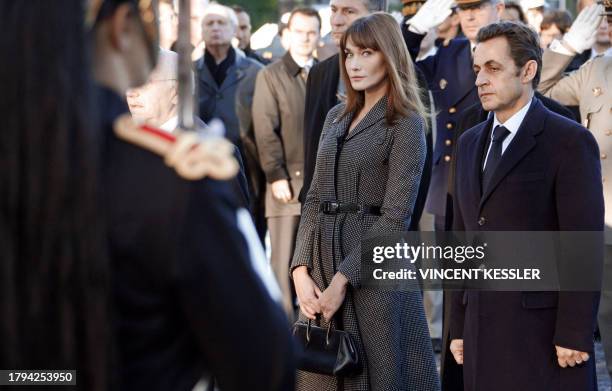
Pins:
x,y
590,87
452,82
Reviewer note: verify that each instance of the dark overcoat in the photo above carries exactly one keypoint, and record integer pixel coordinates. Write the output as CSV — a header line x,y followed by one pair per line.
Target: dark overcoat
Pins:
x,y
378,165
548,179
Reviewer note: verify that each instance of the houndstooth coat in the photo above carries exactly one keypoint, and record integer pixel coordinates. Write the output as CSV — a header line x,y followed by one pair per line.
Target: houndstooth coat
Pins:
x,y
380,166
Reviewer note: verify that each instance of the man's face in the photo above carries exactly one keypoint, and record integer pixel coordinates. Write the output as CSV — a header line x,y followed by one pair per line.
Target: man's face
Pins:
x,y
244,30
343,14
473,18
197,13
153,103
167,25
217,30
304,32
602,36
497,77
511,14
549,34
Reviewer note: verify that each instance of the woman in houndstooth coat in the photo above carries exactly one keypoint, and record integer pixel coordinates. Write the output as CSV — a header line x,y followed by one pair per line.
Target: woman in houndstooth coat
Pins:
x,y
371,156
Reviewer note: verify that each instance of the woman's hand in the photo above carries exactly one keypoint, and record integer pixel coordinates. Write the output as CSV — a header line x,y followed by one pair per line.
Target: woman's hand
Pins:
x,y
333,297
307,291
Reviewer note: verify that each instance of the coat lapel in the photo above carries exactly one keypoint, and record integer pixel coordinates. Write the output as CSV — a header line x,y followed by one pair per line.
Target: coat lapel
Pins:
x,y
523,142
372,117
205,76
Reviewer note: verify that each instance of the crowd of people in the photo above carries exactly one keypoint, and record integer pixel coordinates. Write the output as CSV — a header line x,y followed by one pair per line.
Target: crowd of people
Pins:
x,y
145,256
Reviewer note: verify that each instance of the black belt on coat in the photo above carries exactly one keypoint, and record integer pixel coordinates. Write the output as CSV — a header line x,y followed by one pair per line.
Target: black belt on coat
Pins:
x,y
333,208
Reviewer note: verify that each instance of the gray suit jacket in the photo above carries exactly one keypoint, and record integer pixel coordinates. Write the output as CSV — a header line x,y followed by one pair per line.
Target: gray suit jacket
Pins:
x,y
221,101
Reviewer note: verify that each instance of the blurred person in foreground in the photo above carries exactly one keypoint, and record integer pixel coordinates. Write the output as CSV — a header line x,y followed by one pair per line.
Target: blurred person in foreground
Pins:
x,y
590,87
54,269
168,24
187,270
278,119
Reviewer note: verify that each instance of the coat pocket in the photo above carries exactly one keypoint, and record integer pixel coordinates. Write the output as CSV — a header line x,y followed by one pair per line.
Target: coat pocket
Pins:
x,y
540,300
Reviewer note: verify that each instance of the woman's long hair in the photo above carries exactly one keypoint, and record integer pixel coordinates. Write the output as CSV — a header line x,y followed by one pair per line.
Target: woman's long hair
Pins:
x,y
380,32
53,265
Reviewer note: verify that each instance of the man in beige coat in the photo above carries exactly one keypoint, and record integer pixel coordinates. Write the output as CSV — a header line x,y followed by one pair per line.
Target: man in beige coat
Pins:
x,y
590,88
278,120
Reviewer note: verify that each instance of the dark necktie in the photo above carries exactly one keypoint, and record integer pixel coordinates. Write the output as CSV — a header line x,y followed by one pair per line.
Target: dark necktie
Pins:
x,y
499,135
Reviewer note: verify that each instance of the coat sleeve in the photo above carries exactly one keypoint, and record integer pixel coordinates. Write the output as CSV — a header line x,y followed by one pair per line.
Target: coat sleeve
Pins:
x,y
406,163
312,110
457,308
304,244
266,121
563,89
220,293
580,207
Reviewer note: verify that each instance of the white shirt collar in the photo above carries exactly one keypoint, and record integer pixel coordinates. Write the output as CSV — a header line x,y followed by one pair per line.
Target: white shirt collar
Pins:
x,y
308,64
170,125
513,123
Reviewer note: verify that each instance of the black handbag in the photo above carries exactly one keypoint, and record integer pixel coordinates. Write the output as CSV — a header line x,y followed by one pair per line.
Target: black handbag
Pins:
x,y
327,352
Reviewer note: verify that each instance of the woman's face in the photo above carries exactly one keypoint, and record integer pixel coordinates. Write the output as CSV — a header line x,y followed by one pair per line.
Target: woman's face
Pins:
x,y
365,67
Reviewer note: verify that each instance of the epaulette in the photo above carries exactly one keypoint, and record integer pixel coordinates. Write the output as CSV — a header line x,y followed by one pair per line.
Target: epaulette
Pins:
x,y
191,156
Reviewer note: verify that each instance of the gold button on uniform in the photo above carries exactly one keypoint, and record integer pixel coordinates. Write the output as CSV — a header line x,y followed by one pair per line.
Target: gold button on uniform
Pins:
x,y
443,84
608,132
448,143
597,91
482,221
447,158
298,173
452,110
603,156
449,125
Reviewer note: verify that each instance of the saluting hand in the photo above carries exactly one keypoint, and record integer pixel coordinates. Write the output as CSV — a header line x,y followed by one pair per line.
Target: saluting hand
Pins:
x,y
333,297
307,292
570,357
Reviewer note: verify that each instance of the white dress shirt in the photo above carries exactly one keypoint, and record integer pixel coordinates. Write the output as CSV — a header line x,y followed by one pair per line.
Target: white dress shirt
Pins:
x,y
512,124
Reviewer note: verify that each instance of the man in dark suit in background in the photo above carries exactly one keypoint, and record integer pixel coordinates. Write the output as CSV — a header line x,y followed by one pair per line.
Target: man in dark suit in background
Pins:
x,y
524,169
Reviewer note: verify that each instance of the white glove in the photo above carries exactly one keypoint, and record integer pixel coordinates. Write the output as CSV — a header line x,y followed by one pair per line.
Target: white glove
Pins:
x,y
430,15
581,36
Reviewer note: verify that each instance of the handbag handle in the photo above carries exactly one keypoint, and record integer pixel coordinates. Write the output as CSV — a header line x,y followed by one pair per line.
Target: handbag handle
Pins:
x,y
326,334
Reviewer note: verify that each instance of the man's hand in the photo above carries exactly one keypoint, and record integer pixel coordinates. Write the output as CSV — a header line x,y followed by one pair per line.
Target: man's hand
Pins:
x,y
333,297
307,292
430,15
581,36
456,348
570,357
281,190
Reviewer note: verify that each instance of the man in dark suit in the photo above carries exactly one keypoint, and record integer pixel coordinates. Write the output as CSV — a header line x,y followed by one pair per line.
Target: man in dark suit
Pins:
x,y
524,169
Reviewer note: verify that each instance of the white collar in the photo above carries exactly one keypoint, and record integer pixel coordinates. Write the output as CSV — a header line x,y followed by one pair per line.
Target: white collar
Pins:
x,y
513,123
170,125
308,64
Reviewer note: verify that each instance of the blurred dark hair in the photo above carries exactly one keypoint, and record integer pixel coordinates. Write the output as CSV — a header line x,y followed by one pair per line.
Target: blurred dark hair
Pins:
x,y
238,9
518,9
53,265
307,11
560,18
524,43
